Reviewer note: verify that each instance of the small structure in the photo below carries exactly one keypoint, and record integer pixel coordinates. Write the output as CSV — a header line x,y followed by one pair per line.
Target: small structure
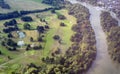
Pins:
x,y
21,34
20,43
32,45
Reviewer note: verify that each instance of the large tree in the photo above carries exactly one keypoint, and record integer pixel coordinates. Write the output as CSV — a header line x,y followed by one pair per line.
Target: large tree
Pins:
x,y
56,3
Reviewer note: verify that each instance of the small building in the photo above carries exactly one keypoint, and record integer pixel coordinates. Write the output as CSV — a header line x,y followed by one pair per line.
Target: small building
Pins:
x,y
21,43
21,34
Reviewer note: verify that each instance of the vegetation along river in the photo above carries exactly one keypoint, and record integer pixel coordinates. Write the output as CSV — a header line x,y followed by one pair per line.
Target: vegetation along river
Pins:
x,y
103,63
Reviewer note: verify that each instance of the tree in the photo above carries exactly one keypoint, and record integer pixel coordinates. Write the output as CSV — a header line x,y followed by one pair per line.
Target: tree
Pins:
x,y
37,47
47,27
40,39
56,37
61,17
28,47
11,43
12,48
27,26
10,35
40,29
12,22
27,19
0,52
53,11
57,3
62,24
58,51
9,15
31,39
10,29
4,5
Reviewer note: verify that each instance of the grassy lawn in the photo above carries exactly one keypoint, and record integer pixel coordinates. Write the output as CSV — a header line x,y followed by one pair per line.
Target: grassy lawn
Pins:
x,y
24,5
50,45
33,33
64,32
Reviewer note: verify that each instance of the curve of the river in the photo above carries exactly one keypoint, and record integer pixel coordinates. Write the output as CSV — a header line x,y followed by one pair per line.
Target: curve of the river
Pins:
x,y
103,63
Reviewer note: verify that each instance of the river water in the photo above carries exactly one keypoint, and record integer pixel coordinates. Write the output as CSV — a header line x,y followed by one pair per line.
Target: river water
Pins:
x,y
103,63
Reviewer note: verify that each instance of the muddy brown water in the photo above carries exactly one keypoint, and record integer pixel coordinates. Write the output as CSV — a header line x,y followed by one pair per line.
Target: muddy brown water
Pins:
x,y
103,63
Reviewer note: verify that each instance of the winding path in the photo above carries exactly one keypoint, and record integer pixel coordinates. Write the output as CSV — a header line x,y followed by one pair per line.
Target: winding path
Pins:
x,y
103,63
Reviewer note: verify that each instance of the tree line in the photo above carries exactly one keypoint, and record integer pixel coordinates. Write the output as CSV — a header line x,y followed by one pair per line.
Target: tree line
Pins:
x,y
57,3
80,55
112,30
4,5
16,14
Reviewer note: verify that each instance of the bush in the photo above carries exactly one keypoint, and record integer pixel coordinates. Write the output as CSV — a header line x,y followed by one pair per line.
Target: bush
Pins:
x,y
10,15
4,5
62,24
12,22
10,35
10,29
26,19
61,17
12,48
11,43
57,3
77,59
56,37
47,27
27,26
111,28
37,47
40,39
28,47
0,52
40,29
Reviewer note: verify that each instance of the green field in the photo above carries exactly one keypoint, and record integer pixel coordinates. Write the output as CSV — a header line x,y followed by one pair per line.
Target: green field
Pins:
x,y
16,63
24,5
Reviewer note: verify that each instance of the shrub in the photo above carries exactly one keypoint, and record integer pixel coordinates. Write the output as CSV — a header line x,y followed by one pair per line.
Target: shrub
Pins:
x,y
26,19
56,37
47,27
27,26
40,29
0,52
61,17
11,43
12,22
62,24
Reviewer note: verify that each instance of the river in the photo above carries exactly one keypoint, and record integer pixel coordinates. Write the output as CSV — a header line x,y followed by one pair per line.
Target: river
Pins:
x,y
103,63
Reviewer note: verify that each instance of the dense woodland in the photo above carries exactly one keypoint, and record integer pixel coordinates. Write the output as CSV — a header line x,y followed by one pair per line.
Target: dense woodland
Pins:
x,y
111,28
79,57
16,14
4,5
93,2
112,6
56,3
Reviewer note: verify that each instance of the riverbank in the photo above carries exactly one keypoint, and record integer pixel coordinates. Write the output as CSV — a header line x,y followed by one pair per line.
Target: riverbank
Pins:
x,y
103,63
79,57
112,30
110,5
